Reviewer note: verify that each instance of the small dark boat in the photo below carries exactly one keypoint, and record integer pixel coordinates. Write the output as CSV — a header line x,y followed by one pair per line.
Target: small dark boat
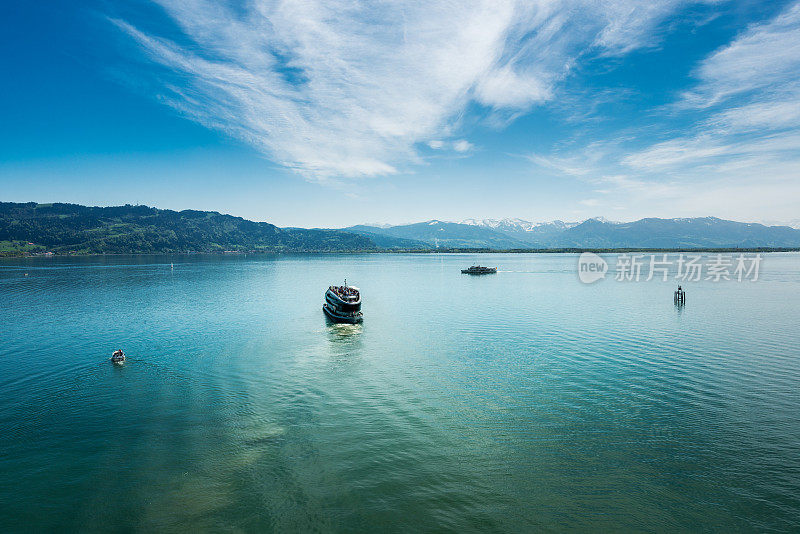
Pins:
x,y
343,304
118,357
477,269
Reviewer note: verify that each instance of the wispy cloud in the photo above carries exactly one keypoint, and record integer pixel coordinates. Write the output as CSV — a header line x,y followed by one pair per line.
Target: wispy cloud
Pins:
x,y
741,152
570,165
751,93
460,145
586,163
763,56
339,88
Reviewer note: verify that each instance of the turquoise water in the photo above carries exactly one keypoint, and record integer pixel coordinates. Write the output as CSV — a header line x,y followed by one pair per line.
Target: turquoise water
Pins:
x,y
512,402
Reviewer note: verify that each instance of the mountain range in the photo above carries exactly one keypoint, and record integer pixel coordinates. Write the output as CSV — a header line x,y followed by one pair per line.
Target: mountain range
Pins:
x,y
699,232
31,228
70,228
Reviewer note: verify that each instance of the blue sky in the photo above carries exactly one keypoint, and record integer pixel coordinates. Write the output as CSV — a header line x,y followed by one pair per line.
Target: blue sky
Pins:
x,y
312,113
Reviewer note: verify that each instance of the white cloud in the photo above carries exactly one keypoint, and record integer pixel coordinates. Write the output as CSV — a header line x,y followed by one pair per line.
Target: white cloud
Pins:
x,y
630,25
506,88
744,153
751,89
584,163
341,88
714,153
676,152
782,111
572,166
436,144
763,56
462,145
739,159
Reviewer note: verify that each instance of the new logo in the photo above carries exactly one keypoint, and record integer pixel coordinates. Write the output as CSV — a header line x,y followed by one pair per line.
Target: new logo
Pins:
x,y
591,267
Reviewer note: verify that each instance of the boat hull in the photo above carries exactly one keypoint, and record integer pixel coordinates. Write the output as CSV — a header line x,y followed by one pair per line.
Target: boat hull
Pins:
x,y
337,303
336,318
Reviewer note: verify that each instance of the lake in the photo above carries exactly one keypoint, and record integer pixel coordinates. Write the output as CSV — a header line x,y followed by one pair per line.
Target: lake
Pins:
x,y
520,401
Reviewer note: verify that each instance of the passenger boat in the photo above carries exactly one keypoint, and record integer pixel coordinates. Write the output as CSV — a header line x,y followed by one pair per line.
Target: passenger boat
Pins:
x,y
343,304
118,357
477,269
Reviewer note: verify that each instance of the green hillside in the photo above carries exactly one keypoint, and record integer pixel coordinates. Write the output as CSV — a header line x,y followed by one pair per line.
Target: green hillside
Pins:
x,y
70,228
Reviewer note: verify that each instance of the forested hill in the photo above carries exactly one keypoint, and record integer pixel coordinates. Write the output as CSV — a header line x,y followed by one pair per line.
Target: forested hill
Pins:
x,y
71,228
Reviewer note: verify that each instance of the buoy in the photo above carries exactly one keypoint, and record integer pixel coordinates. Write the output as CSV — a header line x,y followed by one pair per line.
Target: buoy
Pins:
x,y
680,296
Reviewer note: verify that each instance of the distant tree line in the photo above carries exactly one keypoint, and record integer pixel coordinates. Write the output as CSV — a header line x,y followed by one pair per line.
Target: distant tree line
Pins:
x,y
70,228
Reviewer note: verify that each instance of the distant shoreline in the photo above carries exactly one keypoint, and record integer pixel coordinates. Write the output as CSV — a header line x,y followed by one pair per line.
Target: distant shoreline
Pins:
x,y
31,229
718,250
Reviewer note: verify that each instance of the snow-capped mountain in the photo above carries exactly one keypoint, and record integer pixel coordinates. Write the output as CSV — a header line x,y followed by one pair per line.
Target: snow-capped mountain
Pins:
x,y
592,233
794,223
517,225
526,231
502,223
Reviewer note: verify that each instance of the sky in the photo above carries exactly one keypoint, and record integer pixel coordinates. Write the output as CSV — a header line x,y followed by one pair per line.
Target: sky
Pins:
x,y
332,113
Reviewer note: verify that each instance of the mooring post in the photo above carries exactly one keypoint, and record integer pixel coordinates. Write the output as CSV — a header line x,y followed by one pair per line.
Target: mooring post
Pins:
x,y
680,296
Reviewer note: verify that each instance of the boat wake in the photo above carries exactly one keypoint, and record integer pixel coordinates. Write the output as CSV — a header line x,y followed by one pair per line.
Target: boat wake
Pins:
x,y
344,329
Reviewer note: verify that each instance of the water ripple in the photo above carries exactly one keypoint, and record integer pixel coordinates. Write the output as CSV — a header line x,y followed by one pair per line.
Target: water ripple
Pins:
x,y
517,402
